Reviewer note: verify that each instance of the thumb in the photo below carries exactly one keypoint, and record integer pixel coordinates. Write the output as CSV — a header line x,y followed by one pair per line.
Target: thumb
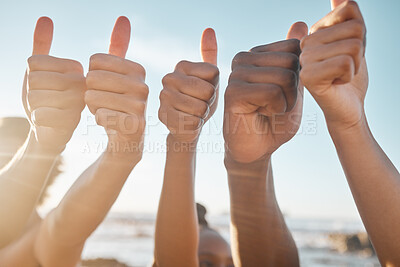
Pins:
x,y
120,37
335,3
208,46
297,31
43,36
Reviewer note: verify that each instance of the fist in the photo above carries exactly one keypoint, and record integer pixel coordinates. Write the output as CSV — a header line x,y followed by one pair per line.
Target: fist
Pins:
x,y
116,91
263,100
54,91
333,64
189,95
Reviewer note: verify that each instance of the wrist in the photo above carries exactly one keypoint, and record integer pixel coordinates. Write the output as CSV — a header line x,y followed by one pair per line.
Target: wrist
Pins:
x,y
124,152
357,128
257,168
38,148
177,145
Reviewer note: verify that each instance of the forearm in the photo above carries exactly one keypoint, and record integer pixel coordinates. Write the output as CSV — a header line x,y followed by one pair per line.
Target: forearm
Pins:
x,y
375,185
259,234
21,183
176,238
65,230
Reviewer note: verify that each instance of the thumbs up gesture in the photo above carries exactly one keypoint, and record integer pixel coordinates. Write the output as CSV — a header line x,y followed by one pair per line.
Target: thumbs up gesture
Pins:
x,y
334,69
117,94
264,98
190,94
53,91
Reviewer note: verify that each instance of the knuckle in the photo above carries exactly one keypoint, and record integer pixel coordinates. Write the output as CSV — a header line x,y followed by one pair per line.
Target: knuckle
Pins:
x,y
32,99
304,42
346,63
164,95
142,107
200,109
32,60
303,59
96,59
144,88
75,65
91,78
167,79
137,69
33,79
358,28
239,57
182,64
208,92
90,96
214,71
237,74
289,78
294,62
162,115
355,46
352,7
231,90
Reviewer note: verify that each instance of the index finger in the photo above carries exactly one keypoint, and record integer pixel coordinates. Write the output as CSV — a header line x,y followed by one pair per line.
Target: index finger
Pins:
x,y
290,46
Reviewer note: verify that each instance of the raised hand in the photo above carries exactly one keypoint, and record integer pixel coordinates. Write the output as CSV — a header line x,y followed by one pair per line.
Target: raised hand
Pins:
x,y
264,99
117,93
190,94
333,64
53,91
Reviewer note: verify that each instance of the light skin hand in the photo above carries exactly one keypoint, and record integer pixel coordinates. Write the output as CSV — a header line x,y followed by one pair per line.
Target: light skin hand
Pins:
x,y
190,93
334,71
117,93
52,92
188,100
333,64
264,100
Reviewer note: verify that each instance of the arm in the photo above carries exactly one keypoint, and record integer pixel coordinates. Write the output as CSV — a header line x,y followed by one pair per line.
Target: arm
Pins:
x,y
259,231
64,231
177,233
21,183
263,110
335,73
52,93
375,185
117,96
188,100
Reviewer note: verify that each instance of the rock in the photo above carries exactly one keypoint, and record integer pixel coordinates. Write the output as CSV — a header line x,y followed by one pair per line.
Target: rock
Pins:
x,y
352,243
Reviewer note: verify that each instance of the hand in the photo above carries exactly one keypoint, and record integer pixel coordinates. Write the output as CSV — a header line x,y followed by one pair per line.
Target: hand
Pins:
x,y
52,92
264,99
117,93
333,64
190,94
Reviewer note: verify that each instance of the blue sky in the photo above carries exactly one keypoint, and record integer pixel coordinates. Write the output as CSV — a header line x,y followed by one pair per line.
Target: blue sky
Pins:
x,y
308,177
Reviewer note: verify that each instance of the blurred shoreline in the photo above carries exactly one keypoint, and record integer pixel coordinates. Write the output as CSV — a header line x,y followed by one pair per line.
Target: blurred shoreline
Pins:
x,y
128,239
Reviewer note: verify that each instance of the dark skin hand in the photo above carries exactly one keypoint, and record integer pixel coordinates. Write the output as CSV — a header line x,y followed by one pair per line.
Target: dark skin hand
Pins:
x,y
263,99
263,109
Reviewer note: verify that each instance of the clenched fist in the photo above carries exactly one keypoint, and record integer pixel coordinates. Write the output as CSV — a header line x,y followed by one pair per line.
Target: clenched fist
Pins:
x,y
117,93
190,94
264,99
334,69
53,91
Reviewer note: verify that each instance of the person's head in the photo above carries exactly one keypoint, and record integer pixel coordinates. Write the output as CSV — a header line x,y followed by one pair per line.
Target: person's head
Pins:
x,y
214,251
13,134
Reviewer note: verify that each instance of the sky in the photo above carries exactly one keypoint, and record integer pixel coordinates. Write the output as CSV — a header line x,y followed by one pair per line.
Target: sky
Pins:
x,y
308,177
